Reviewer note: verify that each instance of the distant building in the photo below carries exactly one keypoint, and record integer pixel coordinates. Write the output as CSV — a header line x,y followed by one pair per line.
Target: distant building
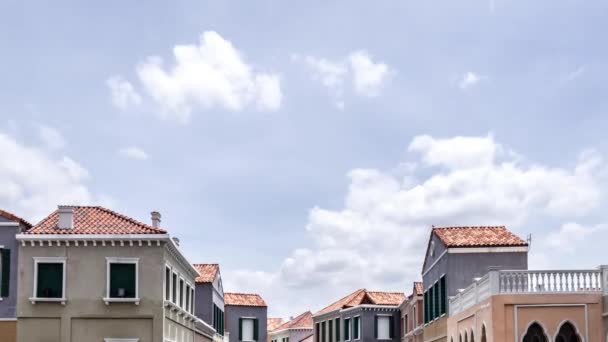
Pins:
x,y
362,315
412,322
246,317
271,324
209,305
454,256
294,330
10,226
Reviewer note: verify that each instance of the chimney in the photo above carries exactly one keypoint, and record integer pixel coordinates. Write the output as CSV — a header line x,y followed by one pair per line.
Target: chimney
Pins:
x,y
155,219
66,217
176,240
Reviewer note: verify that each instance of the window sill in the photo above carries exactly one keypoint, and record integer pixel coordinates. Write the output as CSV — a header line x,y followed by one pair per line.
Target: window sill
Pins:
x,y
35,300
121,300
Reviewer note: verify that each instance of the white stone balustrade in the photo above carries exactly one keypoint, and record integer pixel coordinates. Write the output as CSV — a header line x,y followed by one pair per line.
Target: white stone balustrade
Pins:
x,y
530,282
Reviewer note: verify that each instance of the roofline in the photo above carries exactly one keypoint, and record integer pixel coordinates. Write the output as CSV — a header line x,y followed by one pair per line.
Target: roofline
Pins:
x,y
15,218
371,306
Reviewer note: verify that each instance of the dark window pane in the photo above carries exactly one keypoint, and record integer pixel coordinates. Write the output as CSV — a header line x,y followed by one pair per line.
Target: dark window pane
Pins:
x,y
174,284
181,293
122,280
50,280
167,284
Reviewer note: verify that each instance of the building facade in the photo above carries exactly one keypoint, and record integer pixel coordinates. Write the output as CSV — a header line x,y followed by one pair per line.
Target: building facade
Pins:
x,y
531,306
361,316
246,317
210,297
91,274
271,324
294,330
412,323
10,226
454,256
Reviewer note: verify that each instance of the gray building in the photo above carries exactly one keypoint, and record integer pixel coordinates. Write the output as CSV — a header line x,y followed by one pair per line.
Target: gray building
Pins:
x,y
361,316
10,226
457,255
210,296
294,330
246,317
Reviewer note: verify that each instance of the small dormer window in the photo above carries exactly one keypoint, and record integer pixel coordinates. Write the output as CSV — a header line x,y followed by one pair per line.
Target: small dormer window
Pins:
x,y
432,249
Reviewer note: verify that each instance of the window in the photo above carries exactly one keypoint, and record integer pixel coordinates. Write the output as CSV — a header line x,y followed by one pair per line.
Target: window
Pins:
x,y
5,271
383,327
483,334
181,293
323,331
347,333
330,333
49,277
248,329
192,305
121,340
188,298
443,295
535,333
436,300
357,327
167,283
218,319
472,336
405,325
174,288
337,330
318,332
567,333
426,307
122,279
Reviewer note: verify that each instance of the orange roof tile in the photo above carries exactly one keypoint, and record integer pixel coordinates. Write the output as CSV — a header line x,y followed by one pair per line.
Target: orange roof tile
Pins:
x,y
303,321
363,296
15,218
243,299
480,236
207,272
272,323
94,220
418,288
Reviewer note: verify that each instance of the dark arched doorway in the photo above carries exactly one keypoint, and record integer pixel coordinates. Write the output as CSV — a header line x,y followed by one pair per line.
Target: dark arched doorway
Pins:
x,y
535,333
567,333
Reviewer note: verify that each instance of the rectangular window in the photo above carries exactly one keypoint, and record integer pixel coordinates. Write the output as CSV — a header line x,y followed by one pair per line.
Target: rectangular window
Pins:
x,y
5,272
405,330
347,333
248,329
337,330
330,331
436,300
174,288
167,283
323,332
444,297
181,293
122,279
425,300
357,327
50,278
384,327
188,298
318,332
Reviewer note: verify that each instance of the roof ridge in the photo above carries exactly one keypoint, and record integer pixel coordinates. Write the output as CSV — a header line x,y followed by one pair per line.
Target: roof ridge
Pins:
x,y
130,219
207,264
14,217
469,226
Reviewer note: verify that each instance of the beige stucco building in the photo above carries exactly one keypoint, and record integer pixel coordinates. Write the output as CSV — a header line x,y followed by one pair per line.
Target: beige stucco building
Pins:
x,y
90,274
531,306
412,321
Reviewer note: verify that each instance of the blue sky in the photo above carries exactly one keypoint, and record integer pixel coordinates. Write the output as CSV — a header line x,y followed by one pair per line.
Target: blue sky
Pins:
x,y
296,139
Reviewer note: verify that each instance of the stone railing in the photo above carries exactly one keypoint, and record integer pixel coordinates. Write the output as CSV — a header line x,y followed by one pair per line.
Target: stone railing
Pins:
x,y
530,282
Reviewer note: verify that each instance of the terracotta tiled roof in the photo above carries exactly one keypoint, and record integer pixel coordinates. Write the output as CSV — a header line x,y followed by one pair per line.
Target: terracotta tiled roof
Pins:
x,y
418,288
272,323
94,220
308,339
207,272
363,296
15,218
243,299
303,321
480,236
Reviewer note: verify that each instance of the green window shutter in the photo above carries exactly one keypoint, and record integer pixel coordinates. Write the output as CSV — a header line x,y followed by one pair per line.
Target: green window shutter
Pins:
x,y
391,327
6,272
375,326
240,329
50,280
256,329
444,297
436,299
337,330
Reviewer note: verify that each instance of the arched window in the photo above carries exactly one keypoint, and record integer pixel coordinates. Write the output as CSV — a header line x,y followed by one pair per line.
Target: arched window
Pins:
x,y
567,333
460,337
535,333
466,336
483,334
472,335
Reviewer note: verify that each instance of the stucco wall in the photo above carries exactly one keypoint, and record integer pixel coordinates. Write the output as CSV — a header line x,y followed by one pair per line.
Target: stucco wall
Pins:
x,y
204,302
295,335
437,330
233,313
367,322
8,305
8,331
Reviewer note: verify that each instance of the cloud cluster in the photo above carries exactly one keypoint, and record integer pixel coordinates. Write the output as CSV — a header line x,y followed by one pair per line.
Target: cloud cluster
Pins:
x,y
377,239
366,76
122,92
133,152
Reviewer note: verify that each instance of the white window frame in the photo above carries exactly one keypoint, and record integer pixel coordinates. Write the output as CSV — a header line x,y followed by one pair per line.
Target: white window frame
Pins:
x,y
252,319
115,260
181,297
359,328
389,326
349,330
192,301
49,260
174,288
167,286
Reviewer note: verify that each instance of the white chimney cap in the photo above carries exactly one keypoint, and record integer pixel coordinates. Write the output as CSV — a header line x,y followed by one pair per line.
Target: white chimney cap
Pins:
x,y
66,217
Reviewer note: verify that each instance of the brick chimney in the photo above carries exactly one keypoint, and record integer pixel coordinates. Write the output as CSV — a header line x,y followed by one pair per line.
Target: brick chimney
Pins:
x,y
66,217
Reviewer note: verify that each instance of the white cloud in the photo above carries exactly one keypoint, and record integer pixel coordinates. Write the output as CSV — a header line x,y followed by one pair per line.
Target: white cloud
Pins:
x,y
570,235
377,239
33,181
369,77
122,93
357,69
51,137
468,80
133,152
211,74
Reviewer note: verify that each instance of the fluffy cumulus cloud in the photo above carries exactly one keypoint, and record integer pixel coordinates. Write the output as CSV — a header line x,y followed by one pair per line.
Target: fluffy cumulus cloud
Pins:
x,y
359,70
133,152
122,92
33,181
208,75
377,239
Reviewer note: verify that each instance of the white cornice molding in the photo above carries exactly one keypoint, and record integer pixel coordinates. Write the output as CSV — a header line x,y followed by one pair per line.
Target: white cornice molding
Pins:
x,y
464,250
90,237
9,224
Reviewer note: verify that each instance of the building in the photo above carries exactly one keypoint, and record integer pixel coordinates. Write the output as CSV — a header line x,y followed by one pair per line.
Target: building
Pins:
x,y
271,324
362,315
209,305
10,226
532,306
454,256
412,322
246,317
88,273
294,330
